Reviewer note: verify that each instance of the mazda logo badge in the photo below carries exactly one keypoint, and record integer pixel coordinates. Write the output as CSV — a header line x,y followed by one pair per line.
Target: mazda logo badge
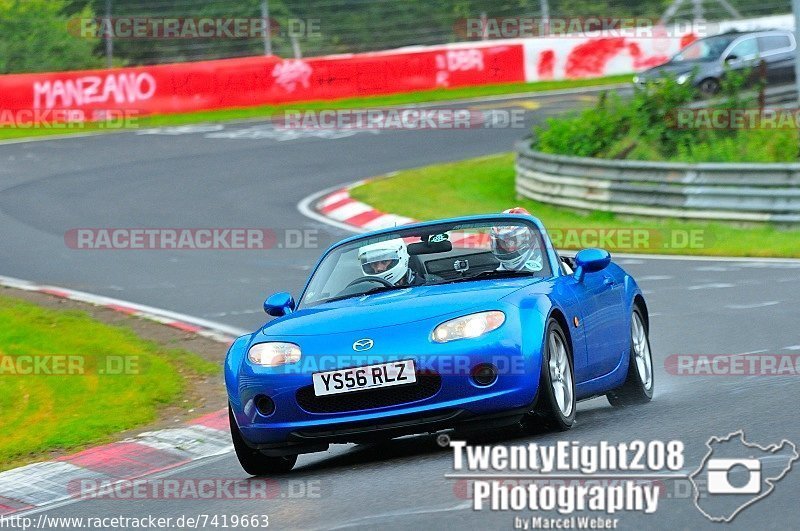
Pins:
x,y
363,344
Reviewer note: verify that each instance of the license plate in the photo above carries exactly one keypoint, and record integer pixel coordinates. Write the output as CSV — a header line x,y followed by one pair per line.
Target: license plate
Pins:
x,y
360,378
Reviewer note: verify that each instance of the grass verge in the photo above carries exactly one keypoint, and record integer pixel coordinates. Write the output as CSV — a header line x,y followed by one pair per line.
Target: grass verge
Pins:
x,y
67,380
486,184
267,111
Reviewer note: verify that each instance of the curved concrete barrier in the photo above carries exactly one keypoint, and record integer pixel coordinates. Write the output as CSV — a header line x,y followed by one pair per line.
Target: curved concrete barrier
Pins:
x,y
710,191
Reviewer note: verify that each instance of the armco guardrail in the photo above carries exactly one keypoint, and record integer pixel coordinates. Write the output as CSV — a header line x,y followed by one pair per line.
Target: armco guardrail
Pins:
x,y
778,96
711,191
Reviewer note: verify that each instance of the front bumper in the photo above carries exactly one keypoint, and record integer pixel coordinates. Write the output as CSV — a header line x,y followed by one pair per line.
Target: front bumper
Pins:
x,y
296,427
318,439
457,399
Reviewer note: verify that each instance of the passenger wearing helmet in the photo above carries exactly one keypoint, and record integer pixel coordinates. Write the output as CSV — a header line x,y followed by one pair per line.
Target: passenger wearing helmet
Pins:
x,y
389,261
516,246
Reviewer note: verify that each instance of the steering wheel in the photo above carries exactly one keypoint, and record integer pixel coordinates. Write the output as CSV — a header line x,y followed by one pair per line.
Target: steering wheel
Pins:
x,y
361,280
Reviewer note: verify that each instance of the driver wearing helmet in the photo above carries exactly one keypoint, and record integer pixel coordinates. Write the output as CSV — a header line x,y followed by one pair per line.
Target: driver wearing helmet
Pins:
x,y
389,261
516,246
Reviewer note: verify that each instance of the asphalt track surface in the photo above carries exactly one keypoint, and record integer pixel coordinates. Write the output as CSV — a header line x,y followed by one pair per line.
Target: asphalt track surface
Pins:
x,y
247,175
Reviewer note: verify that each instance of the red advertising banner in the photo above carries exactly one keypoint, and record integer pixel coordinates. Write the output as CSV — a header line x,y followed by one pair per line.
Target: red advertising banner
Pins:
x,y
186,87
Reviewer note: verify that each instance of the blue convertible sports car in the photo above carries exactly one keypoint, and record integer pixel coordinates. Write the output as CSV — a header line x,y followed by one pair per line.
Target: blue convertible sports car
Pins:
x,y
467,323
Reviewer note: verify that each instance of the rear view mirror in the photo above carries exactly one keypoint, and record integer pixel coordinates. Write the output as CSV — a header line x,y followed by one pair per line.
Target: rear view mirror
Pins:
x,y
430,247
589,261
279,304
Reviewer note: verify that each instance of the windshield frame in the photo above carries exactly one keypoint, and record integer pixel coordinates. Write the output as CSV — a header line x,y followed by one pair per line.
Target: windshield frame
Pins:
x,y
549,256
735,38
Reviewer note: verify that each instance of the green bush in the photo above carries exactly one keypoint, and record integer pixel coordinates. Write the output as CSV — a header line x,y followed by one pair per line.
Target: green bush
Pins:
x,y
644,128
590,132
759,145
35,37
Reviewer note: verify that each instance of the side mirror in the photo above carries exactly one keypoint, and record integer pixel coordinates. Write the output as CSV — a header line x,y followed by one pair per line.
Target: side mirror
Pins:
x,y
731,58
279,304
589,261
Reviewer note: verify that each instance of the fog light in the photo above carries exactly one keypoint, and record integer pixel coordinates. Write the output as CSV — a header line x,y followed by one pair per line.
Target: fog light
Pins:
x,y
484,374
264,405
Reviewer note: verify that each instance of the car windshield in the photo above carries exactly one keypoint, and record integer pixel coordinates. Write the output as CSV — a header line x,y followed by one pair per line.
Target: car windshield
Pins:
x,y
708,49
437,254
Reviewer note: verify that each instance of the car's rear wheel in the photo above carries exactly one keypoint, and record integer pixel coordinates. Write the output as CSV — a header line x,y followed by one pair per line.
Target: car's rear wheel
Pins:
x,y
556,402
254,462
639,383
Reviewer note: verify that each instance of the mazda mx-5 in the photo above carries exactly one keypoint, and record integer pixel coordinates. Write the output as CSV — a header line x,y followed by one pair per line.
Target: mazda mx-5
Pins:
x,y
460,324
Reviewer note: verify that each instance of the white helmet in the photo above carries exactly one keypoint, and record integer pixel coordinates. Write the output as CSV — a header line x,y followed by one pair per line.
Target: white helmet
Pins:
x,y
516,246
373,260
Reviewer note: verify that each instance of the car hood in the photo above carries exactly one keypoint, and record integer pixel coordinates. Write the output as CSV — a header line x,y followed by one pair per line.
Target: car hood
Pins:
x,y
392,308
674,69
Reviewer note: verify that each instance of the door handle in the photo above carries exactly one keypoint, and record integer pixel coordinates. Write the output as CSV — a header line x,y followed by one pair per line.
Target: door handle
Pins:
x,y
608,283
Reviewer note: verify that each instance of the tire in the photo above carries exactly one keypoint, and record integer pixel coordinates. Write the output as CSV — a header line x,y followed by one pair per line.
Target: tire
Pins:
x,y
254,462
640,382
556,403
708,87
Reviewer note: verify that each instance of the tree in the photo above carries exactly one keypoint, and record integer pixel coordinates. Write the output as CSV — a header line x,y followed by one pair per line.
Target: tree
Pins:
x,y
37,36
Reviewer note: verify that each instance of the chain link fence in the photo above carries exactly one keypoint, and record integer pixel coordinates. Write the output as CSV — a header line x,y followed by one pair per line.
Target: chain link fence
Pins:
x,y
140,32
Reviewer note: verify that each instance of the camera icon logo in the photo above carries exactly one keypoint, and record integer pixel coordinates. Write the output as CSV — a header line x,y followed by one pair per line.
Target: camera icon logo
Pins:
x,y
720,472
736,473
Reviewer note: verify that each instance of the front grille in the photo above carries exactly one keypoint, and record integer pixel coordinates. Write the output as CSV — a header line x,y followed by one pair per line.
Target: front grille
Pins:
x,y
427,385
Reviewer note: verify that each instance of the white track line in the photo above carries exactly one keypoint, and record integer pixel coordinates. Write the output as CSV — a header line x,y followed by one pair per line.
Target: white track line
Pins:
x,y
48,138
99,300
158,475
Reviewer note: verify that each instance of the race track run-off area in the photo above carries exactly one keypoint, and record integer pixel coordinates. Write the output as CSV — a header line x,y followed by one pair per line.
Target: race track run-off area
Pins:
x,y
252,176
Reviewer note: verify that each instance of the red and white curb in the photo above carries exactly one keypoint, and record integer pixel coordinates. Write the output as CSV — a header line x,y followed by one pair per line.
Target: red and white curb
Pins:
x,y
336,208
339,206
42,484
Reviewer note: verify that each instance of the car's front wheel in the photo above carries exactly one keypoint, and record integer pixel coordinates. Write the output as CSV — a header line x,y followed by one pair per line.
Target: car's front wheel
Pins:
x,y
254,462
708,87
556,402
639,384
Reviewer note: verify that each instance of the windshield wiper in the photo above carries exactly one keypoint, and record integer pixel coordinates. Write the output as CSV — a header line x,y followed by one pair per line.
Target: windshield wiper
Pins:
x,y
479,276
488,274
381,289
378,289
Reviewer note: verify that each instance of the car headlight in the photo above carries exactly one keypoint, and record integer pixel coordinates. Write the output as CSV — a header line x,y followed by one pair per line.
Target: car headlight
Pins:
x,y
637,79
468,326
274,353
683,78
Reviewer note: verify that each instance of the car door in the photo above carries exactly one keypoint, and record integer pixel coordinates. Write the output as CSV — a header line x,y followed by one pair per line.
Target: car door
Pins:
x,y
604,321
777,50
743,55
